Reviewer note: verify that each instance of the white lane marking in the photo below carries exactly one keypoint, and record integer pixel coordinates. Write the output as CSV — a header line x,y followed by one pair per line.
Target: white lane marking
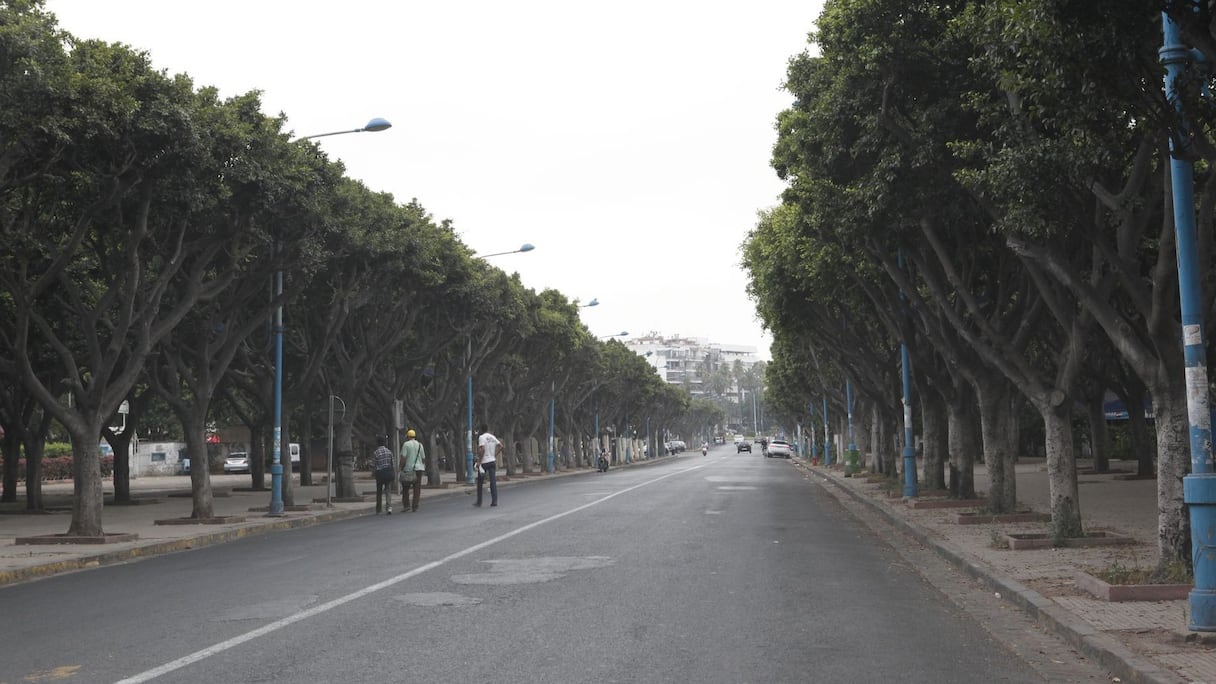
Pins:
x,y
354,596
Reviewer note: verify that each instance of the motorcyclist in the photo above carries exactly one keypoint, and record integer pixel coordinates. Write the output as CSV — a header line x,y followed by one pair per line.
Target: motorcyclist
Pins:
x,y
704,448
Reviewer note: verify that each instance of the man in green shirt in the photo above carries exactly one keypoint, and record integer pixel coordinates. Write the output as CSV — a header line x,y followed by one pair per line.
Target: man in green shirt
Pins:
x,y
413,467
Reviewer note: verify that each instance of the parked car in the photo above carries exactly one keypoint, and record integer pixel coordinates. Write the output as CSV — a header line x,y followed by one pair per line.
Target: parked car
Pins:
x,y
237,462
779,449
740,447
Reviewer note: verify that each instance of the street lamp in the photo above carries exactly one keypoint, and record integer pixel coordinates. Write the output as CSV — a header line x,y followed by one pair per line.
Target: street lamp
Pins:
x,y
593,302
276,467
623,333
525,247
468,454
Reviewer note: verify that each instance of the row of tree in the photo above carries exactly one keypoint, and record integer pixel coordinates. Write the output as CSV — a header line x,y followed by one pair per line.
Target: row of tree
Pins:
x,y
143,221
988,184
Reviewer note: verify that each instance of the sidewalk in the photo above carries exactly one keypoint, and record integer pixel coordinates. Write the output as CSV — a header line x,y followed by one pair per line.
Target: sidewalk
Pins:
x,y
238,512
1139,641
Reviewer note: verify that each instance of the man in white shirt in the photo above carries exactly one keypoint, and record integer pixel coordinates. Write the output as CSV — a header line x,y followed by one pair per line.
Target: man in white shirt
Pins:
x,y
488,448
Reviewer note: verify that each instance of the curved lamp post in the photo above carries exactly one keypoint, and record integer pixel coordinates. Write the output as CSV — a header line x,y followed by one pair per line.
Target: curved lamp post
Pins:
x,y
276,468
468,443
588,305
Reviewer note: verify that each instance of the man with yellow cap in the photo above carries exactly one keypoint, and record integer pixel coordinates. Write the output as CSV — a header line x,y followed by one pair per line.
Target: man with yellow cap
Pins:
x,y
413,467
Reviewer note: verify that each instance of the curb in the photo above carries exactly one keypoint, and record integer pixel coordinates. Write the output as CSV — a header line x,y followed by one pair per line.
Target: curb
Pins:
x,y
1099,647
157,548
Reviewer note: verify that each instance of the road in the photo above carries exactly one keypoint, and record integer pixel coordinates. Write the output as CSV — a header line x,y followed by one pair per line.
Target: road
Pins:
x,y
725,568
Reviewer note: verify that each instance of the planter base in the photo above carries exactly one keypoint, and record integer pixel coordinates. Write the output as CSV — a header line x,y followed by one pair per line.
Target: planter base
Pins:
x,y
218,520
107,538
1021,542
1131,592
989,518
945,503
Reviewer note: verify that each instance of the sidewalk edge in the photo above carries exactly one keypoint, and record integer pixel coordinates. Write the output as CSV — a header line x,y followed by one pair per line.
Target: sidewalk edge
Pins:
x,y
8,577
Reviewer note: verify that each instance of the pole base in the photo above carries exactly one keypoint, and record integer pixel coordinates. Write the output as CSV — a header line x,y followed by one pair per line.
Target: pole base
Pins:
x,y
1202,610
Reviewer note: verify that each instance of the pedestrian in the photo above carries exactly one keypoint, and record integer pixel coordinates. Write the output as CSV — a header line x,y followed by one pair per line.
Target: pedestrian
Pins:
x,y
488,448
382,469
413,465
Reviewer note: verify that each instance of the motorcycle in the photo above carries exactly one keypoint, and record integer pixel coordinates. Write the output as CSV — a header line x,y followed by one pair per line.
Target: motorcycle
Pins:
x,y
601,464
704,450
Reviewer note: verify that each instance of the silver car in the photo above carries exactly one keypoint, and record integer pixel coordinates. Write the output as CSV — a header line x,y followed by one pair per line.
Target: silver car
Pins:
x,y
779,449
237,462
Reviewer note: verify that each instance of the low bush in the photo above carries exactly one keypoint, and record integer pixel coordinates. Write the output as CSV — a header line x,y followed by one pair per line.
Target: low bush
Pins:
x,y
60,467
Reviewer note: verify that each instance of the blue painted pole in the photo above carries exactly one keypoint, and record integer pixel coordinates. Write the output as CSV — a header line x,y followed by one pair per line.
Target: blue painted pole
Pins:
x,y
1199,487
597,430
468,442
276,465
811,430
827,438
851,462
552,409
909,452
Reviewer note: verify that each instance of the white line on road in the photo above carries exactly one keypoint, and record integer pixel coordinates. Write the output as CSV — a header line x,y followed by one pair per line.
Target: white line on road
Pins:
x,y
235,641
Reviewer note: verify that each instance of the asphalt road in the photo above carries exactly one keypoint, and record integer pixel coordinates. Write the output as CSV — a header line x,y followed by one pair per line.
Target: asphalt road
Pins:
x,y
727,568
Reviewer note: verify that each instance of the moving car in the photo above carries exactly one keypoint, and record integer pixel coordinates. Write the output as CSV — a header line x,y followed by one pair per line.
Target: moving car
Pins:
x,y
740,447
778,449
237,462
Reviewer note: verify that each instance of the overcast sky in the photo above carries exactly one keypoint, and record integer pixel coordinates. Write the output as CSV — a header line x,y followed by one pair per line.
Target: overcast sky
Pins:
x,y
629,141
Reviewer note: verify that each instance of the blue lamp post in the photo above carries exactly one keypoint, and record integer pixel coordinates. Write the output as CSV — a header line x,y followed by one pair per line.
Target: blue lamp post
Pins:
x,y
276,465
1199,487
552,410
468,442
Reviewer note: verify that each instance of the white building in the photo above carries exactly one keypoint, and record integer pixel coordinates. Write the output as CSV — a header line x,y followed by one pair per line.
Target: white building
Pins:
x,y
690,361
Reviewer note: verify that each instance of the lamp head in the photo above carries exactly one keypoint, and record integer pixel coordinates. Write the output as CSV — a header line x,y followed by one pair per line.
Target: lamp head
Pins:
x,y
377,124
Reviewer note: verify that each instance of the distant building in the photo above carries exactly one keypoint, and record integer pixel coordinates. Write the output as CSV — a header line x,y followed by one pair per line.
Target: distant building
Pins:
x,y
693,362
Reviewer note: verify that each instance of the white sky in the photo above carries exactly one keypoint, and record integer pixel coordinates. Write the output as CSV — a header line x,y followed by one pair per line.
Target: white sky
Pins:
x,y
628,141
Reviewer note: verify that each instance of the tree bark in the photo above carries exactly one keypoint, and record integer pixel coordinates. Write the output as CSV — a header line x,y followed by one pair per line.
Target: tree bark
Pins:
x,y
996,423
934,431
1173,464
964,443
86,466
1062,472
1099,436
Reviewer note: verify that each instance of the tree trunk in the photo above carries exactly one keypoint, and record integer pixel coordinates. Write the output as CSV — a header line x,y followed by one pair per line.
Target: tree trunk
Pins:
x,y
1173,463
306,440
200,469
1142,446
996,420
1062,472
1099,435
120,443
344,461
34,445
11,445
287,492
964,443
86,466
257,457
934,430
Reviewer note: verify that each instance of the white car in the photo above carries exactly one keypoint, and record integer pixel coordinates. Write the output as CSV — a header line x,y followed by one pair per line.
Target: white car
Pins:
x,y
779,449
237,462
